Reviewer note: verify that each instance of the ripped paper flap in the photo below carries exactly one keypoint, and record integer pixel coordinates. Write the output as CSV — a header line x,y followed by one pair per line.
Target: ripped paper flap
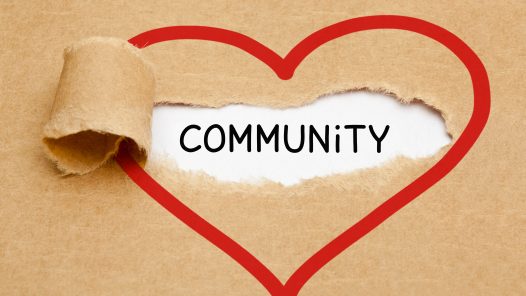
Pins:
x,y
105,96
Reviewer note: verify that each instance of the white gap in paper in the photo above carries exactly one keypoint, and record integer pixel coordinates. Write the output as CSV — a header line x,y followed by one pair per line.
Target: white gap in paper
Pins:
x,y
415,131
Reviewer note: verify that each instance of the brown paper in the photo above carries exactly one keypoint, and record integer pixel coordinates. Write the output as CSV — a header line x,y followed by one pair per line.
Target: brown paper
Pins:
x,y
98,233
105,95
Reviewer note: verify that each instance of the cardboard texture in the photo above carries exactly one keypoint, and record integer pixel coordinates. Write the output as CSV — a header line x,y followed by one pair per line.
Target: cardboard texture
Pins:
x,y
105,95
99,233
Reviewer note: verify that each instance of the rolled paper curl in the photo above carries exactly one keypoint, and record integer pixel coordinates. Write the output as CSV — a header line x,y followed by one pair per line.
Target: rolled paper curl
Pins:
x,y
104,98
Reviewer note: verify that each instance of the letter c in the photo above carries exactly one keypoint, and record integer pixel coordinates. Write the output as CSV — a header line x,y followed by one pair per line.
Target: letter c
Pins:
x,y
181,139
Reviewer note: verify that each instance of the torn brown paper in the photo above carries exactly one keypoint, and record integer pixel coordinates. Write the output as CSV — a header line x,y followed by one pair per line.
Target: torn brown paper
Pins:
x,y
105,95
99,233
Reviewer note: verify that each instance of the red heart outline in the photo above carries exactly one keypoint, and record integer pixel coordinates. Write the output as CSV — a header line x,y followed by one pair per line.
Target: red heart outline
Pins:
x,y
284,68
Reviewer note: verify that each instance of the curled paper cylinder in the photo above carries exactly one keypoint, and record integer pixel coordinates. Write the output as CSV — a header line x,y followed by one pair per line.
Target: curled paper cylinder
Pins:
x,y
104,96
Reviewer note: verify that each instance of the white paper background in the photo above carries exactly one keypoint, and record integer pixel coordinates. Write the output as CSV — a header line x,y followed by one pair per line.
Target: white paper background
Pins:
x,y
415,131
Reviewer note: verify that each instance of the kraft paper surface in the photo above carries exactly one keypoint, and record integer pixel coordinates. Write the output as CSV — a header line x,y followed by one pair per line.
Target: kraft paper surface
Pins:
x,y
72,222
105,95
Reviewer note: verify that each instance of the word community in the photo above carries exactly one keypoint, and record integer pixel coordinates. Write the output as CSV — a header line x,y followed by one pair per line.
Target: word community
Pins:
x,y
309,138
